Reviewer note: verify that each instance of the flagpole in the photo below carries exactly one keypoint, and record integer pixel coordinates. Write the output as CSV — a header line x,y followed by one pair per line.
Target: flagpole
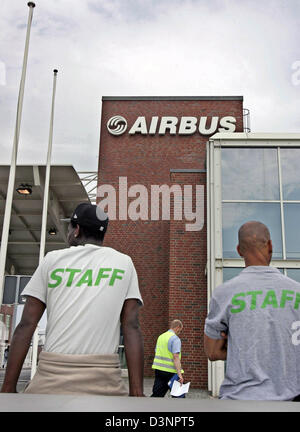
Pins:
x,y
12,171
44,216
47,176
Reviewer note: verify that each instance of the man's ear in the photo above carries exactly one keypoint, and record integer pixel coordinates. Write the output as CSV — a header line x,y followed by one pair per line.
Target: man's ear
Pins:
x,y
239,250
77,231
270,246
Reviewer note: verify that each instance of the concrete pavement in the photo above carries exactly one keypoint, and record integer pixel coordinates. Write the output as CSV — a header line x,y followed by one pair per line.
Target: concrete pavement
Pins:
x,y
148,383
197,401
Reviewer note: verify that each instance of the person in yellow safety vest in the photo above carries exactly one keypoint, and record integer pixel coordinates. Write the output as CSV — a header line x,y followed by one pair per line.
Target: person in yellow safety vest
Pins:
x,y
167,360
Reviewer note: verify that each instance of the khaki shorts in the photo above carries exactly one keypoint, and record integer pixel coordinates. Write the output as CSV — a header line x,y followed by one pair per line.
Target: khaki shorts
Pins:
x,y
82,374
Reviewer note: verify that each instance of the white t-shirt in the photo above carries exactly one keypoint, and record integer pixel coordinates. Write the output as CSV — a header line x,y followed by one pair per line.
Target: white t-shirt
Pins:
x,y
84,289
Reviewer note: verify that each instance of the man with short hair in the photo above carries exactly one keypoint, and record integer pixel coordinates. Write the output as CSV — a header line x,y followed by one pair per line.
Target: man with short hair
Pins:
x,y
167,360
88,290
250,325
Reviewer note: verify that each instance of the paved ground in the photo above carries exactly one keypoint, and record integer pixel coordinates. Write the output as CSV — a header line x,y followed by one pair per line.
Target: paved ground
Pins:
x,y
192,394
148,383
196,402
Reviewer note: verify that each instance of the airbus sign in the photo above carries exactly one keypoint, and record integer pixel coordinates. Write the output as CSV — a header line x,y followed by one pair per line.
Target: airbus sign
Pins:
x,y
117,125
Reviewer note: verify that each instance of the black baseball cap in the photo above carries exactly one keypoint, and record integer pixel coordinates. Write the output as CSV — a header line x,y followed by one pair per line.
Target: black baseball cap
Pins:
x,y
90,216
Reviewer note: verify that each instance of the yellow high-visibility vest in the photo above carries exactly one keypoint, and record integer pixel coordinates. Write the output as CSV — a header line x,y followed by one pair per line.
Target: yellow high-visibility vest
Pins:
x,y
164,359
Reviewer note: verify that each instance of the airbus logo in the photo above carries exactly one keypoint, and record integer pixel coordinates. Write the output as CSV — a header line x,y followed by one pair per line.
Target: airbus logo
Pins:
x,y
117,125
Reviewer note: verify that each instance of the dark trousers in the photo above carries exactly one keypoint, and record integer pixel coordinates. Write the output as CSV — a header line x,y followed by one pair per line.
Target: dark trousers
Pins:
x,y
160,386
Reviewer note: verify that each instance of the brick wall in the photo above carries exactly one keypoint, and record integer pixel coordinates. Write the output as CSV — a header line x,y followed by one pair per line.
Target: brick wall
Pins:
x,y
160,248
187,286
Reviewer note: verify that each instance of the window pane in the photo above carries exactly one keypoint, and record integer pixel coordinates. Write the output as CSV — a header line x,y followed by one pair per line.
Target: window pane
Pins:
x,y
292,230
294,274
290,161
231,272
236,214
10,286
249,174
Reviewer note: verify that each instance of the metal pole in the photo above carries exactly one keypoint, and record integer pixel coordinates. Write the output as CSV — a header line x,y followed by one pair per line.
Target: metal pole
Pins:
x,y
44,216
12,172
208,229
47,176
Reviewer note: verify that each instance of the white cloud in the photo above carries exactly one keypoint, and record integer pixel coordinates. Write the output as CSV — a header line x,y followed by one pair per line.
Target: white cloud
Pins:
x,y
142,47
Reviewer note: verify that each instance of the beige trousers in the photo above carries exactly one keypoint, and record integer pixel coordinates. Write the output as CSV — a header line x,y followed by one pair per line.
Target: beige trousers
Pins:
x,y
82,374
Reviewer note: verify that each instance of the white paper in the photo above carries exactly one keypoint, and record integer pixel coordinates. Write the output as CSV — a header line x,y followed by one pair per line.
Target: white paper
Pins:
x,y
178,390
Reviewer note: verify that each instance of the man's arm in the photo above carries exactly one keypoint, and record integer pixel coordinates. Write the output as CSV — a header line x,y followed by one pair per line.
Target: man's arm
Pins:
x,y
33,311
215,349
134,347
177,364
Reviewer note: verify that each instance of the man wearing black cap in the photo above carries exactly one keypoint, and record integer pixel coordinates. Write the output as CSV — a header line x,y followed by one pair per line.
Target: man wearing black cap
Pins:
x,y
88,290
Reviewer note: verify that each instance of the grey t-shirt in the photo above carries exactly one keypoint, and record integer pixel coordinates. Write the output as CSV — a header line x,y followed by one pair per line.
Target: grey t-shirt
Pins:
x,y
260,310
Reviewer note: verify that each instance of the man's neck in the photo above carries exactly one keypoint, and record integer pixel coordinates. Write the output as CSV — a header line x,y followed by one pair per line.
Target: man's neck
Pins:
x,y
255,261
83,242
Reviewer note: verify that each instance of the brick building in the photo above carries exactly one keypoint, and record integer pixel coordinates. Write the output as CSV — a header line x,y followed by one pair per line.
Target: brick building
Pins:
x,y
162,141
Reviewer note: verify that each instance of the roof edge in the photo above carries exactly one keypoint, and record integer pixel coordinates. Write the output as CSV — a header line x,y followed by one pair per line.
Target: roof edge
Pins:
x,y
227,136
175,98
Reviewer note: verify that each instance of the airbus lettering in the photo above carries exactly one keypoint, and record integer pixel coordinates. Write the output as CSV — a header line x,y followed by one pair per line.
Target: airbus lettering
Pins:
x,y
117,125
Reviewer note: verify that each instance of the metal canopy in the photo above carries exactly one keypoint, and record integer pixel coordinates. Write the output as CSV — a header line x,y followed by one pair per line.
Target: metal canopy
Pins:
x,y
65,192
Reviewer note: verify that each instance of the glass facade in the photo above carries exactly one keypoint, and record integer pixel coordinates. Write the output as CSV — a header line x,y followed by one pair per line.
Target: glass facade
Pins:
x,y
236,214
230,272
290,160
250,174
251,177
294,274
261,184
292,231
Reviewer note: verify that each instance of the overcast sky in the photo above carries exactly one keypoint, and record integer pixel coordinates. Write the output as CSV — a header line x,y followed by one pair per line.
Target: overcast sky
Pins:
x,y
142,48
